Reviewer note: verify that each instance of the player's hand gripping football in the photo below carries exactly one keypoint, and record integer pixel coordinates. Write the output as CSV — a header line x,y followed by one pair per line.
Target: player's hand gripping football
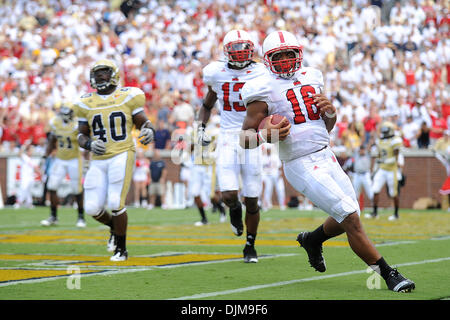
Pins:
x,y
98,147
324,105
282,128
146,135
203,138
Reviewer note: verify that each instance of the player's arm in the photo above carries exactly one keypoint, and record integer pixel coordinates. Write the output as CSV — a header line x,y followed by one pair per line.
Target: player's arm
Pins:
x,y
327,110
51,145
250,138
147,132
208,104
204,114
85,142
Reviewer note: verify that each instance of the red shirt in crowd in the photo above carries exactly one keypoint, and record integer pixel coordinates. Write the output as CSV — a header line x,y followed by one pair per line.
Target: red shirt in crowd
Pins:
x,y
370,124
24,134
38,133
438,126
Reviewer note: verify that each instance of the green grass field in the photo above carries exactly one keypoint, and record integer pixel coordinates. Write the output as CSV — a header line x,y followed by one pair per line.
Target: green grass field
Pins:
x,y
170,258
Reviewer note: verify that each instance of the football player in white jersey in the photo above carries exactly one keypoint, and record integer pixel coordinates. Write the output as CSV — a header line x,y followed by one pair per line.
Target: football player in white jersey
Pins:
x,y
309,165
225,80
105,121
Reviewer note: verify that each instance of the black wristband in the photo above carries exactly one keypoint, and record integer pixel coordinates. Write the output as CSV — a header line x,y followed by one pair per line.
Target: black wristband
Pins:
x,y
87,145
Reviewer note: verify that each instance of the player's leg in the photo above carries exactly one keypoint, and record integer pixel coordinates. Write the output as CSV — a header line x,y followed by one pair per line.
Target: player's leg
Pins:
x,y
252,217
251,190
332,191
379,180
75,169
196,186
392,182
120,171
315,177
228,175
56,175
95,189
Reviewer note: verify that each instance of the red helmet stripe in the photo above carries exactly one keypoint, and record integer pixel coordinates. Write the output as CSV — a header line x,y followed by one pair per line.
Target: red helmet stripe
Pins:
x,y
239,34
280,34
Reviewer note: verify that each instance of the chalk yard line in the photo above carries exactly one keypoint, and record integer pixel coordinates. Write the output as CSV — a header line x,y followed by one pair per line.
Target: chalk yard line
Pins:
x,y
283,283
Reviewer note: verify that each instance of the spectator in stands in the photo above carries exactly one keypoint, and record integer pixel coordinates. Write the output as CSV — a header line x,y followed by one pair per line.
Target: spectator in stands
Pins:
x,y
158,174
28,170
423,138
162,136
410,132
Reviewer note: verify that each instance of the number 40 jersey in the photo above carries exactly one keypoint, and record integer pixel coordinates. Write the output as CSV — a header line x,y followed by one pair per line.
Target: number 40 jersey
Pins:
x,y
227,84
110,118
292,98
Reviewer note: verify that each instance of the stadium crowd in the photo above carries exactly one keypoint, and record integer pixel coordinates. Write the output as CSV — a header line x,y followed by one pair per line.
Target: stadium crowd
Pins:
x,y
382,60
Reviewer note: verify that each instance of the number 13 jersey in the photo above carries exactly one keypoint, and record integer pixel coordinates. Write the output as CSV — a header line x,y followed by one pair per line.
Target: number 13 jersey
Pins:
x,y
292,98
110,118
227,84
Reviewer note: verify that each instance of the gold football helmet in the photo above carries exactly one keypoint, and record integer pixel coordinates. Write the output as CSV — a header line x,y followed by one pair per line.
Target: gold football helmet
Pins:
x,y
114,77
66,112
387,130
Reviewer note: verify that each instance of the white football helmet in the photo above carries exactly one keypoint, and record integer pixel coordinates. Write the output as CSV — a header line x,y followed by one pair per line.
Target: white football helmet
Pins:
x,y
282,41
238,48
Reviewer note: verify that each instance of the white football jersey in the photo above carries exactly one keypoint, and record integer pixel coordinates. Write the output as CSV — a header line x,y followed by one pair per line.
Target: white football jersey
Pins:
x,y
227,84
292,98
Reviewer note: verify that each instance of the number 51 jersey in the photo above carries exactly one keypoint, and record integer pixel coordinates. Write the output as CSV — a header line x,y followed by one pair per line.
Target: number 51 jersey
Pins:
x,y
292,98
227,84
110,118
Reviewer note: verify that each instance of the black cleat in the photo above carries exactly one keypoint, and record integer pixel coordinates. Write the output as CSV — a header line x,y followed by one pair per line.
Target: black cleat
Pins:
x,y
236,223
314,252
397,283
250,255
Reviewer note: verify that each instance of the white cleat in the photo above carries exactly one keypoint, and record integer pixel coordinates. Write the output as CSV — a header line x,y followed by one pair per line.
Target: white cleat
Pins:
x,y
81,223
120,256
393,218
49,222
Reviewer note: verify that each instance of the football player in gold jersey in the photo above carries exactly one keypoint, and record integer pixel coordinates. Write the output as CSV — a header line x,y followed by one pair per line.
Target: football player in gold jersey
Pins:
x,y
388,150
106,118
63,139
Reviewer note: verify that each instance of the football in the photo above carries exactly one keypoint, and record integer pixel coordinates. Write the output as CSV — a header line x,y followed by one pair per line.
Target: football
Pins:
x,y
276,118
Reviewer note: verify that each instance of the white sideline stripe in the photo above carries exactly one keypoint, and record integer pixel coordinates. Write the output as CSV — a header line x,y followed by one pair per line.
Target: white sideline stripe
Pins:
x,y
282,283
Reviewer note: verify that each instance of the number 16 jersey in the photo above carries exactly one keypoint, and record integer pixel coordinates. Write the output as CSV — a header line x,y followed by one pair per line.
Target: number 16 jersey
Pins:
x,y
110,118
292,98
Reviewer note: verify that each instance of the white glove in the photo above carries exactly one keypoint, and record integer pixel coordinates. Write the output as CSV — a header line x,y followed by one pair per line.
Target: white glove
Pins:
x,y
146,135
203,138
98,147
